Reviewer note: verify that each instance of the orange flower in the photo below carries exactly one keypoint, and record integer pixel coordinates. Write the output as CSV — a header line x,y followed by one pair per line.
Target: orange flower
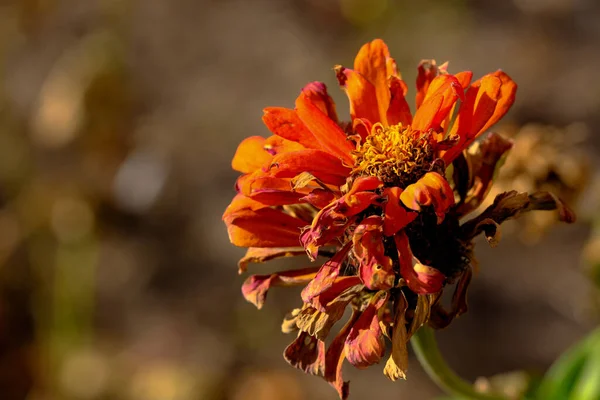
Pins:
x,y
374,197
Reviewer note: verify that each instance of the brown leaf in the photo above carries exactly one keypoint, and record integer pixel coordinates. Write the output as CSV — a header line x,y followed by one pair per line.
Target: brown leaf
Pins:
x,y
397,365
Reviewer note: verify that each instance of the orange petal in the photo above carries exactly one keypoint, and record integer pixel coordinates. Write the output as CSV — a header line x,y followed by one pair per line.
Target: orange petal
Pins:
x,y
330,136
486,101
272,191
427,71
398,111
375,269
365,344
334,358
317,92
323,165
464,78
250,155
276,145
256,287
373,61
429,116
263,228
361,94
285,123
432,189
326,276
263,254
396,216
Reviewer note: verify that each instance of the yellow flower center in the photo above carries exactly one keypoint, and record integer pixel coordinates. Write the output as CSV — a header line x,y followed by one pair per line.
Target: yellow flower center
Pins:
x,y
397,155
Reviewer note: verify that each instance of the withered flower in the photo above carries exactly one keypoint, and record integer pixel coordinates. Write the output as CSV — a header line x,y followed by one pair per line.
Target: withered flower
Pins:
x,y
377,198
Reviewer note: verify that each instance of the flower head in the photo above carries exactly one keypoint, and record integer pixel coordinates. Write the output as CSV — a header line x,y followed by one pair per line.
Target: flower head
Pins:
x,y
376,200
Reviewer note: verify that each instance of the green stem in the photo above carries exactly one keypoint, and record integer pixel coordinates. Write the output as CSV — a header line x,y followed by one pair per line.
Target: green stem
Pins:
x,y
428,353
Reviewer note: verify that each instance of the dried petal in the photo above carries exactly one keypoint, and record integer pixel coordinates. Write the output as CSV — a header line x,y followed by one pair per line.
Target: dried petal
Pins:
x,y
397,365
255,288
262,254
307,354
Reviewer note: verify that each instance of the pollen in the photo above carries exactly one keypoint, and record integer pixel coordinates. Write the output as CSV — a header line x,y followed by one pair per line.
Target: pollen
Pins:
x,y
397,155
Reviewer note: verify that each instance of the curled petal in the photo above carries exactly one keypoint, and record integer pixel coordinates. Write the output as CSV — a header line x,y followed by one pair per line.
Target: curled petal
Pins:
x,y
317,93
420,279
285,123
397,365
509,205
326,276
241,203
439,317
251,155
255,288
482,161
318,323
342,289
365,183
319,198
396,215
365,344
263,228
431,190
268,189
375,269
262,254
326,131
334,358
306,353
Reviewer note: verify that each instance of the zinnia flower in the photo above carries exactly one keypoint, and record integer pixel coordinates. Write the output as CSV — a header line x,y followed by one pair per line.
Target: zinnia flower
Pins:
x,y
380,199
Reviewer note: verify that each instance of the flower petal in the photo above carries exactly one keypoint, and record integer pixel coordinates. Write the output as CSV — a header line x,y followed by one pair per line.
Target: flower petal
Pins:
x,y
397,365
317,92
419,278
263,254
375,269
255,288
431,189
439,318
509,205
334,358
321,164
263,228
361,94
306,353
426,72
251,155
365,344
374,62
398,111
445,90
285,123
326,131
396,216
326,276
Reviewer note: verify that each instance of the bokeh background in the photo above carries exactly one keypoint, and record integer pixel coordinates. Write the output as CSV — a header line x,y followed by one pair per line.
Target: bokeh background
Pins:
x,y
118,121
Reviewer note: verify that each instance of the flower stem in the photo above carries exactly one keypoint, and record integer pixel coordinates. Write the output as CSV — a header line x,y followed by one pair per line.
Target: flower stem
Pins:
x,y
428,353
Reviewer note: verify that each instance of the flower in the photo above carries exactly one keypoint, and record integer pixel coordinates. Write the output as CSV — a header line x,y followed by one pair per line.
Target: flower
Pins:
x,y
380,199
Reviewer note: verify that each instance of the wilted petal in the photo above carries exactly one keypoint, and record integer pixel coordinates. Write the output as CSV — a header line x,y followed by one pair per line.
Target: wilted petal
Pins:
x,y
439,318
375,269
509,205
255,288
307,354
420,278
426,72
365,344
334,358
397,365
326,276
262,254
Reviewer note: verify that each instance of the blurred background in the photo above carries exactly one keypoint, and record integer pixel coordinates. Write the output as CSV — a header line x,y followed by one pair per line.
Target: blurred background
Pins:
x,y
118,121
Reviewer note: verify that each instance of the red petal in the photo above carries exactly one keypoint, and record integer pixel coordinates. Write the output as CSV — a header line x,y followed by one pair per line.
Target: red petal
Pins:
x,y
255,288
420,280
250,155
322,165
326,276
331,137
365,344
306,353
396,216
375,268
334,358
